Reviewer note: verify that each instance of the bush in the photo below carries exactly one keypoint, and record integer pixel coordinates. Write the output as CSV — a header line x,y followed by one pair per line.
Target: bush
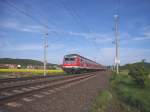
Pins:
x,y
139,74
136,98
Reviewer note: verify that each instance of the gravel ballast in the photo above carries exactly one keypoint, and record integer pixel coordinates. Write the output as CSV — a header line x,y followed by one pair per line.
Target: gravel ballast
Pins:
x,y
77,98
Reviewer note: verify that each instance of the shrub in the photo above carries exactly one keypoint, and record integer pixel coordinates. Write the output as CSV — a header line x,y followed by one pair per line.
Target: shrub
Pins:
x,y
139,74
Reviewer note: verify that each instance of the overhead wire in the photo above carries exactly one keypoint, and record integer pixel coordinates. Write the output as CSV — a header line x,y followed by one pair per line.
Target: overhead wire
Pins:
x,y
24,13
72,11
78,20
42,15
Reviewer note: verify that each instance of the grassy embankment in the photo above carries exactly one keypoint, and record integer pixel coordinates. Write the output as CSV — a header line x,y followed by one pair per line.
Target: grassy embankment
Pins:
x,y
123,96
12,73
101,102
135,97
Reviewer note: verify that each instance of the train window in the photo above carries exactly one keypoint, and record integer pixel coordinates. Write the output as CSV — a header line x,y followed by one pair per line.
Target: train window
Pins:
x,y
72,59
69,59
66,59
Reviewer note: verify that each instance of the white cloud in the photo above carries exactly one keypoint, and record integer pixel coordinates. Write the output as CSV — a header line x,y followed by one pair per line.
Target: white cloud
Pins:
x,y
141,38
146,36
143,35
23,47
56,46
30,47
95,37
12,24
127,55
32,29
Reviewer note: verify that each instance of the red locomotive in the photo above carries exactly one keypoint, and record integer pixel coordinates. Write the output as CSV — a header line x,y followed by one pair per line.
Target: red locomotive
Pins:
x,y
74,63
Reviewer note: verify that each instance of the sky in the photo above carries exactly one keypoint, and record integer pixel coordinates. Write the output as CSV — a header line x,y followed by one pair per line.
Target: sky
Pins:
x,y
84,27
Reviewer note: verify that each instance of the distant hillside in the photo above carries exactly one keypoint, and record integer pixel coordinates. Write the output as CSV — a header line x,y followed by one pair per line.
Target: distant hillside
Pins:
x,y
146,65
23,62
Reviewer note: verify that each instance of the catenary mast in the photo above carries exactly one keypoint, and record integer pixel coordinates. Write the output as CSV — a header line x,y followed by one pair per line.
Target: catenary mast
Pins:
x,y
117,60
45,51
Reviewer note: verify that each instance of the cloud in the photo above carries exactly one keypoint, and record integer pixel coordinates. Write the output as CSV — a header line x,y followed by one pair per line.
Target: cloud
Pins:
x,y
108,37
12,24
141,34
32,29
145,36
127,55
56,51
56,46
28,47
126,37
95,37
23,47
6,46
9,24
141,38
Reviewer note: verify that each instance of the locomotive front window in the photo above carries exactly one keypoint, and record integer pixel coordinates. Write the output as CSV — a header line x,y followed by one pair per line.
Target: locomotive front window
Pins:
x,y
69,60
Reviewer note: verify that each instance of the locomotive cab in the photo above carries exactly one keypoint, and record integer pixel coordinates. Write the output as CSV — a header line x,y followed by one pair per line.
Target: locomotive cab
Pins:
x,y
71,64
69,60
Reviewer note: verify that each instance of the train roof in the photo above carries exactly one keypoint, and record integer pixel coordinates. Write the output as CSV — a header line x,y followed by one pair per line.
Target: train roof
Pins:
x,y
69,55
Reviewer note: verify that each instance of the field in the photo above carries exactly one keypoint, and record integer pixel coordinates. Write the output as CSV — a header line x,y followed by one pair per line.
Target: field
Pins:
x,y
12,73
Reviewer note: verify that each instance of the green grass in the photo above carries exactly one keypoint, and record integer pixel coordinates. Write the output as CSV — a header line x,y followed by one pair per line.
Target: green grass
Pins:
x,y
101,102
127,92
123,96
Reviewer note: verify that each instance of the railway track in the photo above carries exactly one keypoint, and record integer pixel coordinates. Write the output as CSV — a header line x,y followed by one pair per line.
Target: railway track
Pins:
x,y
6,80
18,83
26,88
11,82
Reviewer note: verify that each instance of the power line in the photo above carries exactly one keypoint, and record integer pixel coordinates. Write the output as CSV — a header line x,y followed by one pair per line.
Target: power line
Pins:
x,y
76,16
24,12
78,20
68,9
38,21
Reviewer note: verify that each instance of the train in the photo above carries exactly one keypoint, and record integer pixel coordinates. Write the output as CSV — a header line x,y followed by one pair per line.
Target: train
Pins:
x,y
74,63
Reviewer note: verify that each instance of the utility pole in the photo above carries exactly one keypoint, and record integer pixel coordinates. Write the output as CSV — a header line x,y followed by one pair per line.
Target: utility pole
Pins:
x,y
45,52
117,60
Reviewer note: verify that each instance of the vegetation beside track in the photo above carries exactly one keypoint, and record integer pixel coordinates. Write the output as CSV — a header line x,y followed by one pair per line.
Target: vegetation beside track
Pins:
x,y
12,73
129,93
107,101
129,90
101,102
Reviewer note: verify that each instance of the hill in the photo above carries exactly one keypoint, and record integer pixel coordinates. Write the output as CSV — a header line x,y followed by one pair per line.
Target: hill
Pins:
x,y
145,64
23,62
